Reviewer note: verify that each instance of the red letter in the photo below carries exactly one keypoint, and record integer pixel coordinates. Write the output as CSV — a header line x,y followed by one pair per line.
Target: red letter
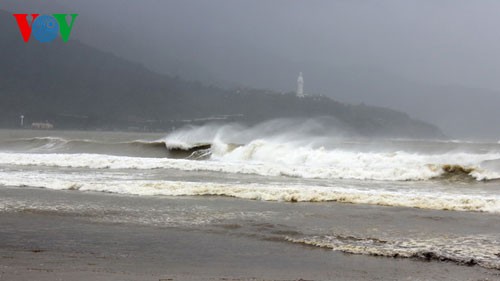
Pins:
x,y
24,27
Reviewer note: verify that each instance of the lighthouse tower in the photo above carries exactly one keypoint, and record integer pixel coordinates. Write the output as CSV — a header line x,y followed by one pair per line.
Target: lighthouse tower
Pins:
x,y
300,86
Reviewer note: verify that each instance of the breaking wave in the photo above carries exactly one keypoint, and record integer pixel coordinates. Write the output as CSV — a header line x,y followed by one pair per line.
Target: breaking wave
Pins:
x,y
136,148
479,250
345,193
398,167
283,147
260,158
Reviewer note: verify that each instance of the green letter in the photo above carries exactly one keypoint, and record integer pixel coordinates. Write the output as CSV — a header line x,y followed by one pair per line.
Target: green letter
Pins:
x,y
63,25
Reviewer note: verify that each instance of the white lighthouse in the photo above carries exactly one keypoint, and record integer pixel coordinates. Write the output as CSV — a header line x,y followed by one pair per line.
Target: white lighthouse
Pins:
x,y
22,120
300,86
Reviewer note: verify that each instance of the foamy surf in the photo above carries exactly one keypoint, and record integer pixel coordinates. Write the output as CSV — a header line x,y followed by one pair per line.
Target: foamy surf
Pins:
x,y
128,184
278,167
275,160
467,250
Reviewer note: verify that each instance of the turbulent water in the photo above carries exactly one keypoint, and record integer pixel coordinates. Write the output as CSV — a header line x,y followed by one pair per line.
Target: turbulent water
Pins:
x,y
270,164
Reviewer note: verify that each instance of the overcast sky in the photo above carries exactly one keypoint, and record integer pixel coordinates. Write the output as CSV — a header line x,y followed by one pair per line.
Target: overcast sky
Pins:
x,y
444,41
338,44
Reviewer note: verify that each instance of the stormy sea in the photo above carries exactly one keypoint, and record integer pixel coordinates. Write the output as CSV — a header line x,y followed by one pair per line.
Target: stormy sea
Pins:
x,y
433,201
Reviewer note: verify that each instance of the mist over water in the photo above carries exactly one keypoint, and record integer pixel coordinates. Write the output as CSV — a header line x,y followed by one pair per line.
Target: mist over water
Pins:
x,y
197,71
301,132
436,61
317,151
285,160
301,148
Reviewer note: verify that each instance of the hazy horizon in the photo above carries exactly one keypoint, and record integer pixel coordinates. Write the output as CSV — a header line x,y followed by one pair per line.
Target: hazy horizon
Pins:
x,y
413,56
176,140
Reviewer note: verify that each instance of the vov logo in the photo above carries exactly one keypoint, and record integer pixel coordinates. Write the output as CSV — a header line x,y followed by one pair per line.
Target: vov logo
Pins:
x,y
45,28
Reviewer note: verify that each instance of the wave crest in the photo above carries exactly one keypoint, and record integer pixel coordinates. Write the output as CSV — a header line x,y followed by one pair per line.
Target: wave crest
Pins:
x,y
468,250
425,199
136,148
261,157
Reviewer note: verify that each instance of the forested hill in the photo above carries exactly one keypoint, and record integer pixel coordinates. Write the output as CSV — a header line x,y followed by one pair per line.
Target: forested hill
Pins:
x,y
76,86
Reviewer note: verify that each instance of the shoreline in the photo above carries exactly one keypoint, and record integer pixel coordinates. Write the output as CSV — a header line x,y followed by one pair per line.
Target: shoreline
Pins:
x,y
48,247
80,244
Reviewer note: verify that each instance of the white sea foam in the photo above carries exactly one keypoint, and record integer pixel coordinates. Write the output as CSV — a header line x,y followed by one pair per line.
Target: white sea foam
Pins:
x,y
286,159
470,250
425,198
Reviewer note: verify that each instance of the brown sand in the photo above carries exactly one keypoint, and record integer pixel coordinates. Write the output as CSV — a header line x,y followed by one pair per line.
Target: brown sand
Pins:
x,y
52,247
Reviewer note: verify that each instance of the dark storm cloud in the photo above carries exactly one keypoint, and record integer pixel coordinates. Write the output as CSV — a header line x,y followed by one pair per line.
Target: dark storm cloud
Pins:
x,y
414,56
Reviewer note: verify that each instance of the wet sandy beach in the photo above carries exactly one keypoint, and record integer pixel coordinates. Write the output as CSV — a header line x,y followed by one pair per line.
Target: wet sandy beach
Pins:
x,y
38,243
